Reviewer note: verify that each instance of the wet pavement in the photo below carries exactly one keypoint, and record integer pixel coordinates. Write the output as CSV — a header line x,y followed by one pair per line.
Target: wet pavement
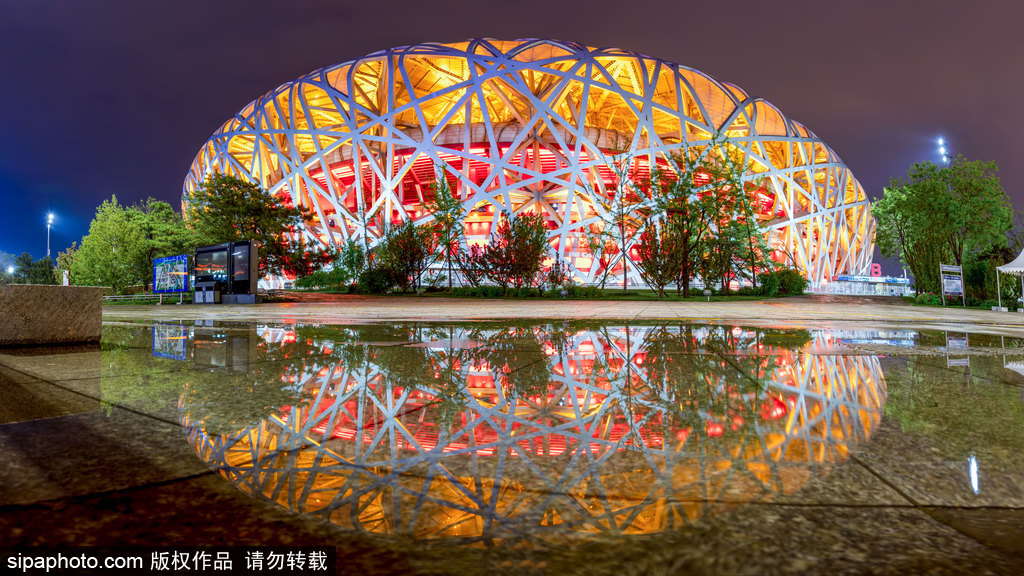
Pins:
x,y
776,443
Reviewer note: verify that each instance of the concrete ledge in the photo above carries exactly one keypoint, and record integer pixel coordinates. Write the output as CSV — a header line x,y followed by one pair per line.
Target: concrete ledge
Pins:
x,y
38,315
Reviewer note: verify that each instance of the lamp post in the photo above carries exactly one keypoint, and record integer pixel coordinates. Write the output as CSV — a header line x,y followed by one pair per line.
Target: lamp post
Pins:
x,y
49,222
943,152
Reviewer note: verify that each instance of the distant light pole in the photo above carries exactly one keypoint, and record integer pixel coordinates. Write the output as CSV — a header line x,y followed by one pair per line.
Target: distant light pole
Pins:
x,y
49,222
943,152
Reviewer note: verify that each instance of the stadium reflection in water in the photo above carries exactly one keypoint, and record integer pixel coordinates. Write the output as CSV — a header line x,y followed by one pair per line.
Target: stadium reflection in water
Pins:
x,y
494,432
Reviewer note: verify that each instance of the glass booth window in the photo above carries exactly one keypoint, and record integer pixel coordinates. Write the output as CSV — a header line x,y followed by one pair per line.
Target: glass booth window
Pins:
x,y
240,263
212,266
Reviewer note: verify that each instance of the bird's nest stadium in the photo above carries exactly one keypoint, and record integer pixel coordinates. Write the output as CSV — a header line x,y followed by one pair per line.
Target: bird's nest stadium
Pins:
x,y
530,126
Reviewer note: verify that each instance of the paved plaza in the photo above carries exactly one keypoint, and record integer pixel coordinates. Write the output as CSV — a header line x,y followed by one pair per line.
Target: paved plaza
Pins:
x,y
873,444
344,309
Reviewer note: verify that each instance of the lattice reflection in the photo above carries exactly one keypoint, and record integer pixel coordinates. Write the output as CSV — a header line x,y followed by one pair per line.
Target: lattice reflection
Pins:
x,y
510,433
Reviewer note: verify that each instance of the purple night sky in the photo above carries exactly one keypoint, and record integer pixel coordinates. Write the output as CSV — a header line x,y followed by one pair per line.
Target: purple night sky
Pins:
x,y
116,97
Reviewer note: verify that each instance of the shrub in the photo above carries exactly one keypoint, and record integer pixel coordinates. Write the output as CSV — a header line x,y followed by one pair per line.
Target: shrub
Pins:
x,y
577,291
554,277
928,299
769,284
406,250
791,282
378,280
513,256
352,259
524,292
334,279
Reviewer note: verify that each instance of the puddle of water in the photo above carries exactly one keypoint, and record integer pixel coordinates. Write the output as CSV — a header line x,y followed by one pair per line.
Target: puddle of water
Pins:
x,y
495,433
488,432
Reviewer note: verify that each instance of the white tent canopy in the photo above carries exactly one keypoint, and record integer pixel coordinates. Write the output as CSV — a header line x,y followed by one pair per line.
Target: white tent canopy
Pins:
x,y
1015,268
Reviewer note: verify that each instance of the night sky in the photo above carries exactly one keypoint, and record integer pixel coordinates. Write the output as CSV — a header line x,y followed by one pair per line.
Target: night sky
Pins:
x,y
115,97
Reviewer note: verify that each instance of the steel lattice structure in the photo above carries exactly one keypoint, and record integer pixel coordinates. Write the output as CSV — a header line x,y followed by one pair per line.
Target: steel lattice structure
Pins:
x,y
603,445
529,126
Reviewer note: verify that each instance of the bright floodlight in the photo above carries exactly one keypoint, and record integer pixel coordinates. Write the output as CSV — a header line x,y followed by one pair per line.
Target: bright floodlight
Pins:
x,y
941,142
10,269
49,218
942,150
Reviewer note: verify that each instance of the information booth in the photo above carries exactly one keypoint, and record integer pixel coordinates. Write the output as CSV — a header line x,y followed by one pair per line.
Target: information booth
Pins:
x,y
227,273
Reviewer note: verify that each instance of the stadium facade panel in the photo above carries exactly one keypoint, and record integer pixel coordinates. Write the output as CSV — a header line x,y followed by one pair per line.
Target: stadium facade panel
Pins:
x,y
544,126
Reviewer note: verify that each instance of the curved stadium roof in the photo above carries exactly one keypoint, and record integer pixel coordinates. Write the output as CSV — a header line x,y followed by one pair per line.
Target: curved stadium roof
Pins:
x,y
535,126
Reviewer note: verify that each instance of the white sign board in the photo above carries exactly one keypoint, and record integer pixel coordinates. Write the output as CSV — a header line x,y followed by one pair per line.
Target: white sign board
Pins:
x,y
952,285
951,279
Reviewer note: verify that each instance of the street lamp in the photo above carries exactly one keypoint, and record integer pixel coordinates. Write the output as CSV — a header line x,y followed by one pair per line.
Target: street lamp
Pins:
x,y
49,222
943,152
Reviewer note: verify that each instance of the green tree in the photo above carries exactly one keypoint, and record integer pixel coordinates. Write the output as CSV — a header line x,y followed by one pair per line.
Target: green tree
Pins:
x,y
737,245
228,209
448,213
659,256
688,220
754,254
602,249
904,230
976,209
346,265
111,253
937,215
515,253
65,261
43,271
406,250
351,260
621,219
29,271
164,232
720,250
22,268
704,191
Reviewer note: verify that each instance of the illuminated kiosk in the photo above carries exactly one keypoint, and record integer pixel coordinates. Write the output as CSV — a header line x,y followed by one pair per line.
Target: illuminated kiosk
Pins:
x,y
543,126
224,273
591,442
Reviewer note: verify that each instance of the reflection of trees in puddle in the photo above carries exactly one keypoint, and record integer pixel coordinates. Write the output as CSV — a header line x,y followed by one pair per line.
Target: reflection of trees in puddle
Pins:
x,y
495,432
961,410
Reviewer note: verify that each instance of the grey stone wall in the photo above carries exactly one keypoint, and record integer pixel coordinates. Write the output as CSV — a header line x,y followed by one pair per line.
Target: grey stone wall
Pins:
x,y
34,315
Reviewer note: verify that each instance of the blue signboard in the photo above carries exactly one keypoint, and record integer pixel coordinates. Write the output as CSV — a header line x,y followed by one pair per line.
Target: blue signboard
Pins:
x,y
169,341
872,279
170,274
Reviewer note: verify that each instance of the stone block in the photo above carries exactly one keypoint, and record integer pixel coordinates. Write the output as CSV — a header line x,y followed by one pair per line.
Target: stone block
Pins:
x,y
33,315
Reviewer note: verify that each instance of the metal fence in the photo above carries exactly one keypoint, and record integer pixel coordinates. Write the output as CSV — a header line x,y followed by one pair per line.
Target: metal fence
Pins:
x,y
179,298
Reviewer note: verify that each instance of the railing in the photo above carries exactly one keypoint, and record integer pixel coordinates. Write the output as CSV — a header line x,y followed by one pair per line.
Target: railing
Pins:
x,y
160,298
